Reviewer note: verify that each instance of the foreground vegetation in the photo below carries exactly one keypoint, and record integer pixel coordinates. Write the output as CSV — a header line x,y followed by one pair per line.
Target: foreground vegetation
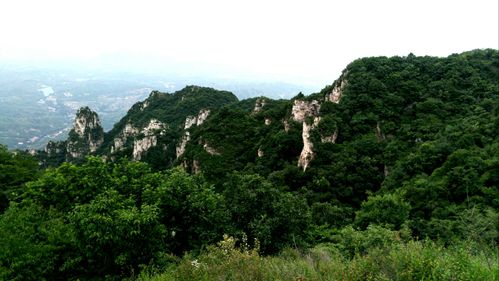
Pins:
x,y
377,258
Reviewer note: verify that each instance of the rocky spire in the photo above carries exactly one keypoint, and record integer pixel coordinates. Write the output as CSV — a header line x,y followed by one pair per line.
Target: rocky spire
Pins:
x,y
87,134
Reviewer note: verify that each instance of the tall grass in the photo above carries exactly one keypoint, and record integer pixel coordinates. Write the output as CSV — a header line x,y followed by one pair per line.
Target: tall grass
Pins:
x,y
412,260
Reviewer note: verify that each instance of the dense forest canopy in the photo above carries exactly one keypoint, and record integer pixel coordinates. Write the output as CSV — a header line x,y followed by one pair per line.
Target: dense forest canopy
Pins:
x,y
397,151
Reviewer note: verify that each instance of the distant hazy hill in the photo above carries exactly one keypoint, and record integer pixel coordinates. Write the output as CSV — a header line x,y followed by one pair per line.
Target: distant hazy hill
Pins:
x,y
38,104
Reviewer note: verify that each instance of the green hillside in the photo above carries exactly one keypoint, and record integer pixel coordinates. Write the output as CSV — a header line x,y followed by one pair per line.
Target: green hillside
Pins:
x,y
389,173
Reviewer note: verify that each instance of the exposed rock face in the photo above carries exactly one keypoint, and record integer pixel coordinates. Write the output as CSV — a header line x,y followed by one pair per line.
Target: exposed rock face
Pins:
x,y
380,136
120,141
331,139
181,148
337,92
286,125
130,130
118,144
142,145
196,120
307,153
260,152
300,112
150,139
259,104
153,126
303,109
189,122
87,134
210,150
196,167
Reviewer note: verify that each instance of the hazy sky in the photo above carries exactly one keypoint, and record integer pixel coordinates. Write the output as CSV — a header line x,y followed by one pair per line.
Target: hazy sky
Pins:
x,y
297,41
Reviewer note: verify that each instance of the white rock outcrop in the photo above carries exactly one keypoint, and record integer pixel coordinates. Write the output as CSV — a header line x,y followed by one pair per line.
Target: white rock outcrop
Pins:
x,y
118,144
303,109
196,120
150,139
337,92
259,104
210,150
331,138
153,126
120,140
143,145
189,122
286,125
179,150
307,153
129,130
89,134
380,136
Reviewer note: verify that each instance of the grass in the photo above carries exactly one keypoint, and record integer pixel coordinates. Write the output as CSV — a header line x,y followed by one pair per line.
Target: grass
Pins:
x,y
412,260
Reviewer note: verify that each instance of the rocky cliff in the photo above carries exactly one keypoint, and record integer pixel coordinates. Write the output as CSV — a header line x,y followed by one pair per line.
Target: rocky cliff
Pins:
x,y
85,138
370,106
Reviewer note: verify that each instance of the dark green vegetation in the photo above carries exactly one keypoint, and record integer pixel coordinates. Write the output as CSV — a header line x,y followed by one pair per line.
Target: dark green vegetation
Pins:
x,y
402,183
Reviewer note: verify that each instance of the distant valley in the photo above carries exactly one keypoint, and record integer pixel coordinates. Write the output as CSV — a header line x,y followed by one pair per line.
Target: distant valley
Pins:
x,y
38,104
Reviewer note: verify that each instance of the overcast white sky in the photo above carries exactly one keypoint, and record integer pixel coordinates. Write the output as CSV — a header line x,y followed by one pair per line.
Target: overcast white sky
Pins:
x,y
305,41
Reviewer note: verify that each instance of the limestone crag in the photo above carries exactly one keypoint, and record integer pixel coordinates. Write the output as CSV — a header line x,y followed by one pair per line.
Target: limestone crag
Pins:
x,y
196,120
303,109
331,138
300,112
153,126
286,125
142,145
120,141
150,139
189,122
181,147
210,150
337,92
87,134
259,104
307,153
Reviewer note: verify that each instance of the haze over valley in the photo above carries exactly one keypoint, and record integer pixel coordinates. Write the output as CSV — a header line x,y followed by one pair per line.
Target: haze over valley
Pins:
x,y
38,102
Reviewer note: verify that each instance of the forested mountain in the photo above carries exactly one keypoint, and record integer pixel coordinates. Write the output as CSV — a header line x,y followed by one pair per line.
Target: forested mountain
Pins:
x,y
403,147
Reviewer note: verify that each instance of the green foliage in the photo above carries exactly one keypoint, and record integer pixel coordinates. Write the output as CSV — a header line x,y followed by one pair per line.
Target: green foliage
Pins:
x,y
193,213
34,243
265,213
388,210
382,260
415,156
16,168
114,236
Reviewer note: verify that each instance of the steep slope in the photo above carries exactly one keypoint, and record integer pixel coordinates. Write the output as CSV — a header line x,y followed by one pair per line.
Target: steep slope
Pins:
x,y
351,137
149,131
85,138
336,145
